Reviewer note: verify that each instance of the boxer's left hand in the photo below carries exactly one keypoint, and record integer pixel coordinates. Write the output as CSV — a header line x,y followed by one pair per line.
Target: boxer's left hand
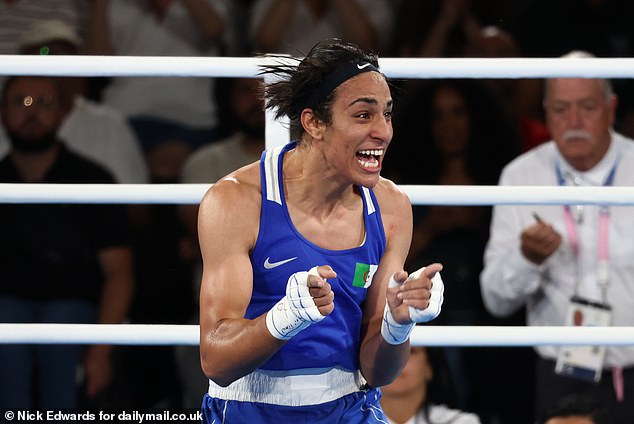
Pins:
x,y
417,298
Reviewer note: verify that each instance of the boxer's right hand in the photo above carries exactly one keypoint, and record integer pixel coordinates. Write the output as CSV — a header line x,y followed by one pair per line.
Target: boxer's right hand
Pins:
x,y
309,299
320,289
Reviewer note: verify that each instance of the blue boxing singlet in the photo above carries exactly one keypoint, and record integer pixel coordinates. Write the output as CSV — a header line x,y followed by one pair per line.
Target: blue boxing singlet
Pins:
x,y
315,376
281,250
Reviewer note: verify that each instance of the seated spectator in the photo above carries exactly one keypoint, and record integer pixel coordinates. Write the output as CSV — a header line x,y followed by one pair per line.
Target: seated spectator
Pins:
x,y
96,131
242,110
521,97
562,262
17,15
577,409
58,263
465,138
408,399
293,27
170,115
434,28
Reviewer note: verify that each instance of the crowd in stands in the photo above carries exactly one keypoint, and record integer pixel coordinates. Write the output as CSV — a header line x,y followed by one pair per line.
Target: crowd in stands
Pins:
x,y
196,130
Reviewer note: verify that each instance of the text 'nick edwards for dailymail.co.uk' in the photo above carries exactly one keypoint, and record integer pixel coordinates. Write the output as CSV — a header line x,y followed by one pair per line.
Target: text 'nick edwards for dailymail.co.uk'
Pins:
x,y
20,416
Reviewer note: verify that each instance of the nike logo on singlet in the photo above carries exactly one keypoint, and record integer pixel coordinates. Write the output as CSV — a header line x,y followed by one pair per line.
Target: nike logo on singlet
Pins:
x,y
271,265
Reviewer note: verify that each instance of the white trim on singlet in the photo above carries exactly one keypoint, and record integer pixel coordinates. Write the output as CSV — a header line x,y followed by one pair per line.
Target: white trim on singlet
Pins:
x,y
368,200
271,174
272,179
291,388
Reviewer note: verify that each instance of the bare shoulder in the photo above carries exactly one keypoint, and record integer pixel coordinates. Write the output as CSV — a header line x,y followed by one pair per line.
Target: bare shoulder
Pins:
x,y
233,201
392,200
396,210
242,182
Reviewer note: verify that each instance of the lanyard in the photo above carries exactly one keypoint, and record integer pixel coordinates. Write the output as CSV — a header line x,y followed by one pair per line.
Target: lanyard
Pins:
x,y
603,269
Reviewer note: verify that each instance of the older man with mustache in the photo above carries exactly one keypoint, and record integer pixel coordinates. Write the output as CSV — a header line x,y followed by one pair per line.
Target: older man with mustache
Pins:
x,y
570,264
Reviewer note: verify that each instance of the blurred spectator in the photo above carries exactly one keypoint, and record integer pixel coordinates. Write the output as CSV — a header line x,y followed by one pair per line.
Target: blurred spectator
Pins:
x,y
551,29
462,28
240,102
410,398
492,41
459,130
17,15
59,263
521,97
600,27
294,26
463,133
146,376
576,409
238,43
434,28
96,131
170,115
564,262
444,28
241,108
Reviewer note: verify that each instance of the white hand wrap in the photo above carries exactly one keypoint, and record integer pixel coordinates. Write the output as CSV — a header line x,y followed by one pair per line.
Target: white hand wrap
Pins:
x,y
396,333
393,332
295,311
435,301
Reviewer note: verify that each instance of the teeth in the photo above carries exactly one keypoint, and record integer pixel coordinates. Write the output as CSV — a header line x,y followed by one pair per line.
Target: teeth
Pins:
x,y
371,152
368,164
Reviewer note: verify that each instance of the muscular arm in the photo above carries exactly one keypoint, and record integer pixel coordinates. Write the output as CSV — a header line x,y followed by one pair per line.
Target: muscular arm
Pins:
x,y
381,362
230,345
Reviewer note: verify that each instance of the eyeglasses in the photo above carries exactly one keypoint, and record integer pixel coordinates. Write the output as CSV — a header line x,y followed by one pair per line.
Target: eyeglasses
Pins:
x,y
45,103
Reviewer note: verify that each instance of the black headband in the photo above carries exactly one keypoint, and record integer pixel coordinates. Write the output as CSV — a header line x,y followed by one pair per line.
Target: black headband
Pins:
x,y
333,80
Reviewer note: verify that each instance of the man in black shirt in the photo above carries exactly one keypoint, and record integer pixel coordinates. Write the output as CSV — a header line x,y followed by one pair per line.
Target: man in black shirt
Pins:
x,y
58,263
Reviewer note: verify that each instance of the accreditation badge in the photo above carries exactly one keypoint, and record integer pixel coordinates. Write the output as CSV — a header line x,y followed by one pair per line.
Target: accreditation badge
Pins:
x,y
584,362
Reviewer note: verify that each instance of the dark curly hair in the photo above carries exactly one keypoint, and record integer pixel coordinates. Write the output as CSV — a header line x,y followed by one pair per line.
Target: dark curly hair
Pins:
x,y
298,79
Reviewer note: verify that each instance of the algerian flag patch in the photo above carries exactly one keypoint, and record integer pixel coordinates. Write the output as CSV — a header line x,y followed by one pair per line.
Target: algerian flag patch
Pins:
x,y
363,274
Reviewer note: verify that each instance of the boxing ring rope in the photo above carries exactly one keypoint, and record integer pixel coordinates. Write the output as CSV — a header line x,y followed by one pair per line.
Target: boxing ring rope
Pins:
x,y
418,194
113,66
415,68
165,334
155,334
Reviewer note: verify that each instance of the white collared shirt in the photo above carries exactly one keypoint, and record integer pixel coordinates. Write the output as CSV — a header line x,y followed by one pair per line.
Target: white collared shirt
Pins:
x,y
509,280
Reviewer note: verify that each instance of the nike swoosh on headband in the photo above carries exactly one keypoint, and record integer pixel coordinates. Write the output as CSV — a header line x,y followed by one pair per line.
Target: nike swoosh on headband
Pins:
x,y
365,65
271,265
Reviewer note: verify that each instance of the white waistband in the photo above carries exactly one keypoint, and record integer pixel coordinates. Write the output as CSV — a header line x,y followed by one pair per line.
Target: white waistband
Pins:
x,y
291,388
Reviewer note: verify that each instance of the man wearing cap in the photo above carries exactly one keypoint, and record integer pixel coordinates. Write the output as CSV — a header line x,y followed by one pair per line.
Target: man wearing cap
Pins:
x,y
97,131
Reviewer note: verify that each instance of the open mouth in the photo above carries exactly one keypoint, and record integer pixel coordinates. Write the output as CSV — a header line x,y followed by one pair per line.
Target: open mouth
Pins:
x,y
370,158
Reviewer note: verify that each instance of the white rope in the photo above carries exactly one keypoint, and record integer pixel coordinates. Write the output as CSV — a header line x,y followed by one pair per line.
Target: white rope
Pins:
x,y
277,131
102,193
438,335
418,194
117,334
158,334
192,193
96,66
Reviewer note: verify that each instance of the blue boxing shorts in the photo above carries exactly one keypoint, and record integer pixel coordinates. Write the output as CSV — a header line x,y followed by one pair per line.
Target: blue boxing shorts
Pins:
x,y
360,407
